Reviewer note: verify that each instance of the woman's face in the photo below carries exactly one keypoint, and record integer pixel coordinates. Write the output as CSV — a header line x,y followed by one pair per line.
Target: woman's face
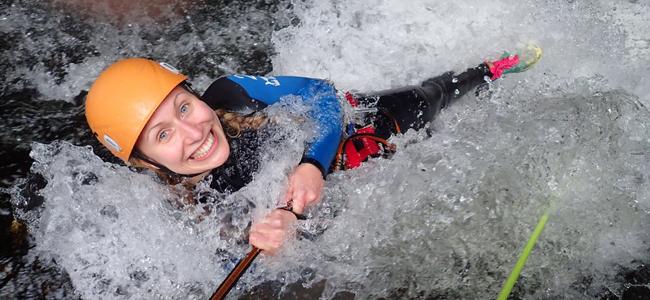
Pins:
x,y
184,135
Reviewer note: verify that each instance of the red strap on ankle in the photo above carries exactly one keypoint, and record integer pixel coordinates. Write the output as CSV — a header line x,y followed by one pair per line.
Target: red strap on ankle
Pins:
x,y
498,67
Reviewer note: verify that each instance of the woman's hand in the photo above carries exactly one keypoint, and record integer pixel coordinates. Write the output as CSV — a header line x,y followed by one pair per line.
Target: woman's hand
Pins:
x,y
271,232
305,187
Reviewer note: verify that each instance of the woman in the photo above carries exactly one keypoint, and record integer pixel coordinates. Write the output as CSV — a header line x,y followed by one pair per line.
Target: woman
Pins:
x,y
147,115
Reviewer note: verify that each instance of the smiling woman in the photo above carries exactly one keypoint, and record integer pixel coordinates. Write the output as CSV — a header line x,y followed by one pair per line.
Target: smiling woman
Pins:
x,y
147,114
577,124
184,134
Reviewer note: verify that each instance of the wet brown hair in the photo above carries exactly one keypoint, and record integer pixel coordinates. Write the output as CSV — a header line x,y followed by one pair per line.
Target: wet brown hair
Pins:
x,y
234,123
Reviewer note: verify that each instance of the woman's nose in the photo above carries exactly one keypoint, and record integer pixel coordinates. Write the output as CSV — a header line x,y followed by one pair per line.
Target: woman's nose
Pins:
x,y
191,132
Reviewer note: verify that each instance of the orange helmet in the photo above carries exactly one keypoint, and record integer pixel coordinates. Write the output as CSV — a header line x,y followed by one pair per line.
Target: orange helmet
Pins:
x,y
123,98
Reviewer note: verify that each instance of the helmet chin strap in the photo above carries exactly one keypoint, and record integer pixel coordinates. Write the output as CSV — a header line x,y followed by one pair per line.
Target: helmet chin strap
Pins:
x,y
139,155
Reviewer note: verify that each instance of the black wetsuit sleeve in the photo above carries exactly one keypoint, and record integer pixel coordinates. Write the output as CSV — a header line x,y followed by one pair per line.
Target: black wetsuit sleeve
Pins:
x,y
226,94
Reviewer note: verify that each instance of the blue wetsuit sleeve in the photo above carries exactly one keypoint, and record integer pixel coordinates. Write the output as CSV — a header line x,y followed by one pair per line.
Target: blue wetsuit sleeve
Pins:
x,y
325,110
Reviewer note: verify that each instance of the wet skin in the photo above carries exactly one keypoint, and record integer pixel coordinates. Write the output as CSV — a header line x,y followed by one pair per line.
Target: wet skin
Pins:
x,y
184,135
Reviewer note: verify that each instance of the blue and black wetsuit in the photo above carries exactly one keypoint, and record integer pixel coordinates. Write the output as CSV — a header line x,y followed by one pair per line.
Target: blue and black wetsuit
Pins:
x,y
248,94
411,107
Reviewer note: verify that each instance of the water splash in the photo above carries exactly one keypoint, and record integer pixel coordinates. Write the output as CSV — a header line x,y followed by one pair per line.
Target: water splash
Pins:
x,y
371,45
121,234
446,216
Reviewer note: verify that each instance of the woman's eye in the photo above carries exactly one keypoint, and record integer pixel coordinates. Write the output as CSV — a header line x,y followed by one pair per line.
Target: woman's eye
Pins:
x,y
162,135
184,108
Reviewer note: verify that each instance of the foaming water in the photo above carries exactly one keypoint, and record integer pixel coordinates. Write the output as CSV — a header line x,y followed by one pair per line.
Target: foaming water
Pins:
x,y
120,234
370,45
114,231
447,215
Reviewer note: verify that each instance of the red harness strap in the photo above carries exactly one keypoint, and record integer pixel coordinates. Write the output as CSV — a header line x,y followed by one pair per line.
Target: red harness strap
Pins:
x,y
359,149
353,101
361,144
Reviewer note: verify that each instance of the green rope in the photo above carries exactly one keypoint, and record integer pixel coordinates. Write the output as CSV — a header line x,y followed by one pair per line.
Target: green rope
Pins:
x,y
523,257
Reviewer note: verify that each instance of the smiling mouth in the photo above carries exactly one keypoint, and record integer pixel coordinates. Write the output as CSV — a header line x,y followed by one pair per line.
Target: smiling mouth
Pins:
x,y
205,149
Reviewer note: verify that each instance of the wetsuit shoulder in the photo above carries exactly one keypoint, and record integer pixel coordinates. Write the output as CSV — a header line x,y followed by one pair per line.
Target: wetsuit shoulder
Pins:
x,y
246,94
227,94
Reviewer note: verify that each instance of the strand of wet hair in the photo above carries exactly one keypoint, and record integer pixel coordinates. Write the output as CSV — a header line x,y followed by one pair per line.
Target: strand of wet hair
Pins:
x,y
235,122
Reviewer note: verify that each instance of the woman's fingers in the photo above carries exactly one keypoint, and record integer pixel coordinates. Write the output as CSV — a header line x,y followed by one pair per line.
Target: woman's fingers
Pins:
x,y
272,231
303,198
288,195
298,201
305,187
262,241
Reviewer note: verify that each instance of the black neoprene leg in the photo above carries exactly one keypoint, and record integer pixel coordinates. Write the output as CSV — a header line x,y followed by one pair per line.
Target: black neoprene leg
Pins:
x,y
415,106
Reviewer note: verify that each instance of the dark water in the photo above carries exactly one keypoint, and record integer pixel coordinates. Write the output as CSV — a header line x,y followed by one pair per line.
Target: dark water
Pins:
x,y
205,38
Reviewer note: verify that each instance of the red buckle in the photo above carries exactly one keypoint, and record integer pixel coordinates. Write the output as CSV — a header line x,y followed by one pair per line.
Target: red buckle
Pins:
x,y
354,155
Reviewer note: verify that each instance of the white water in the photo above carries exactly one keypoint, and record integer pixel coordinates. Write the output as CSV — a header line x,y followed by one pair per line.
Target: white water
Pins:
x,y
447,215
370,45
108,226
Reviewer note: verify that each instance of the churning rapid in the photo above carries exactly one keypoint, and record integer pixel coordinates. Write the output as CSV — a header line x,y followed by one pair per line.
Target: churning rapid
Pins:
x,y
446,216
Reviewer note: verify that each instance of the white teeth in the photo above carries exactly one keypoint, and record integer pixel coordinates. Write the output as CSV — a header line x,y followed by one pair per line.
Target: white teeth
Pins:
x,y
203,150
